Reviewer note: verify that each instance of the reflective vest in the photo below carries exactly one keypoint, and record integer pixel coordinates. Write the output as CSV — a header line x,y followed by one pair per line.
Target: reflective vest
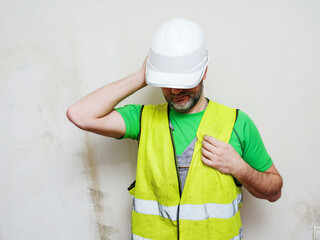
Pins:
x,y
208,207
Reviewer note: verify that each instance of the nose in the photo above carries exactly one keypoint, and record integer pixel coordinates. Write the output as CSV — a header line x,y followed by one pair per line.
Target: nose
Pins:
x,y
176,90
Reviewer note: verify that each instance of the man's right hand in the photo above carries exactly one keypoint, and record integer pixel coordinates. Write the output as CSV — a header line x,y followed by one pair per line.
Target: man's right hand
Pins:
x,y
143,69
95,112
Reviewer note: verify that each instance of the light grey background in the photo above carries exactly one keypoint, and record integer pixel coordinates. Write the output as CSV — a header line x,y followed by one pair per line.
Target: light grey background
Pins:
x,y
57,182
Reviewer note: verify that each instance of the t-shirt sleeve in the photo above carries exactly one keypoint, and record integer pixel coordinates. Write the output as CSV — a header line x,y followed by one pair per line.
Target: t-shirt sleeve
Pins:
x,y
131,116
254,151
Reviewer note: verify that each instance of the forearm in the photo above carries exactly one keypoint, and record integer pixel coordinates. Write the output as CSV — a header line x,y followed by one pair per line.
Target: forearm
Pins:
x,y
265,185
102,101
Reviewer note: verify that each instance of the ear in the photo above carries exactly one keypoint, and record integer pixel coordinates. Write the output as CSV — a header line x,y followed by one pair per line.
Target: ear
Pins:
x,y
205,74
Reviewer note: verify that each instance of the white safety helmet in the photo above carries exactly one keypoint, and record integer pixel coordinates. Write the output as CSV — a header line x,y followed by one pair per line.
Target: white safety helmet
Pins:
x,y
178,55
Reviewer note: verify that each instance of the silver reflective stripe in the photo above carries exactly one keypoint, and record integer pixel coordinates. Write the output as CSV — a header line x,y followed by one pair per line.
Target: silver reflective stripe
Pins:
x,y
188,211
154,208
184,161
210,210
136,237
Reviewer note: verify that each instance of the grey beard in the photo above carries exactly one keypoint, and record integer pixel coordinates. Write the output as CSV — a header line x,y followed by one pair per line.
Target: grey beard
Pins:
x,y
186,107
190,104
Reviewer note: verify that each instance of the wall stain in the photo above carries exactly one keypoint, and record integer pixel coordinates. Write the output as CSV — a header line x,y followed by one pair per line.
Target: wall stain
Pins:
x,y
308,213
96,198
108,230
312,215
95,193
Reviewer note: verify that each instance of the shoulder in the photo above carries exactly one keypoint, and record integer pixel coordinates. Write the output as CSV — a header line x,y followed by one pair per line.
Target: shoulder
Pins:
x,y
157,107
129,108
154,111
254,151
245,127
243,120
131,115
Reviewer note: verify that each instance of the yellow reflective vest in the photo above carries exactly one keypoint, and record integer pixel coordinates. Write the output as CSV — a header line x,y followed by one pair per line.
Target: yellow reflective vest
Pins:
x,y
208,207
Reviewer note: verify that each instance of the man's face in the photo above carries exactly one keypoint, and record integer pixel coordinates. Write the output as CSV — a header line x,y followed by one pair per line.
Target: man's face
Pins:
x,y
183,100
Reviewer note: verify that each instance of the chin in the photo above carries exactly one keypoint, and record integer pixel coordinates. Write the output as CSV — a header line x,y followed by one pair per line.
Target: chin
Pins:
x,y
182,107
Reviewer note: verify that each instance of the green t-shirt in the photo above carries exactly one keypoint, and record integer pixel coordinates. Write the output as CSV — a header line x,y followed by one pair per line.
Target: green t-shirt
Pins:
x,y
245,137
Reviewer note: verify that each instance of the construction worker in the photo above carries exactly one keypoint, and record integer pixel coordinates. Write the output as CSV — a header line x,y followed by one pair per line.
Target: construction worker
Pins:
x,y
194,154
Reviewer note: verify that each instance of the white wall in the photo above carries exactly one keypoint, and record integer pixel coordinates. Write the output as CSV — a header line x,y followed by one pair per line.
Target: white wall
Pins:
x,y
57,182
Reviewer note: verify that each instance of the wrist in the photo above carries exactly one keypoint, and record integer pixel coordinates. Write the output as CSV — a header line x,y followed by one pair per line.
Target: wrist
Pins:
x,y
242,169
139,78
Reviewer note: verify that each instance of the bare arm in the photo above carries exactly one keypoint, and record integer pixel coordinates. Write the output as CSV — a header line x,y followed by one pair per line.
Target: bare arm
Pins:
x,y
224,158
95,112
266,185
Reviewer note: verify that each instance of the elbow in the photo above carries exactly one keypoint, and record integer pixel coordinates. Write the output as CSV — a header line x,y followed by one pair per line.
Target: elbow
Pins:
x,y
274,197
75,116
278,192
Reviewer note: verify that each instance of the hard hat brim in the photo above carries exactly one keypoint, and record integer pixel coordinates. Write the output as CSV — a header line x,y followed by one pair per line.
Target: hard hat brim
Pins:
x,y
185,80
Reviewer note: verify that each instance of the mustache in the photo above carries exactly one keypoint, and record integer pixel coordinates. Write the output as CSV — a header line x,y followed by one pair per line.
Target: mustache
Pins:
x,y
179,95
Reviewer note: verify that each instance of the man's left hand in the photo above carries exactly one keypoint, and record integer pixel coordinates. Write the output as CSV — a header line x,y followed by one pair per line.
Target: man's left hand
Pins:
x,y
220,156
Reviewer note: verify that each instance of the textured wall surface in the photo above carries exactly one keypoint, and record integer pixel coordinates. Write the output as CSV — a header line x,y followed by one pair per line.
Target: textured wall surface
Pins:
x,y
58,182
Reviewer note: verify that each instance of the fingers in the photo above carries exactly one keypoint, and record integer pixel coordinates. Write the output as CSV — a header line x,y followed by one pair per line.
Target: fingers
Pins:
x,y
220,155
207,162
211,160
143,71
215,142
143,68
209,148
212,152
207,154
208,145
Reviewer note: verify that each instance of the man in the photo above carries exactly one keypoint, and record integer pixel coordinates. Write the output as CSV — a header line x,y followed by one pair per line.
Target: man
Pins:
x,y
194,155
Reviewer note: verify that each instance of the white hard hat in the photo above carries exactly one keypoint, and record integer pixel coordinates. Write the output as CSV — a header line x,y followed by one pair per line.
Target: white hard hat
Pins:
x,y
178,55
